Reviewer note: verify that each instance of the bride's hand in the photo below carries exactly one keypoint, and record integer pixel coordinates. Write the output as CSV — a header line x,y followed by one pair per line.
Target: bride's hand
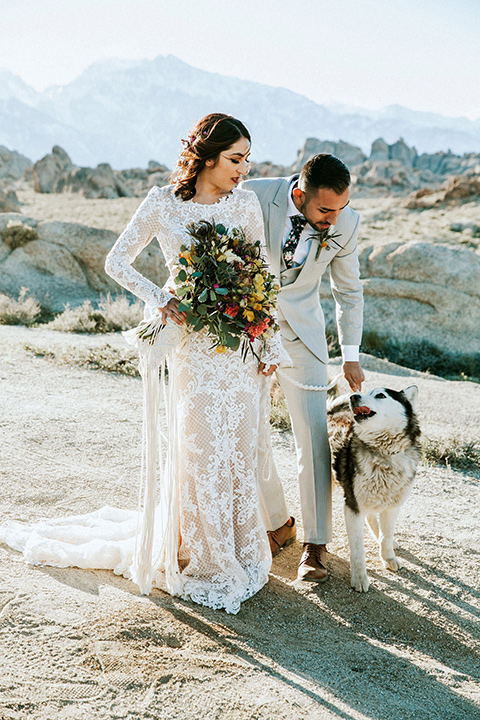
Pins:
x,y
171,311
263,370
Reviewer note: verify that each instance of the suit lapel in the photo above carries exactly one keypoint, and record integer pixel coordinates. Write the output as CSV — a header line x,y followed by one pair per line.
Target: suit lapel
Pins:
x,y
310,259
277,213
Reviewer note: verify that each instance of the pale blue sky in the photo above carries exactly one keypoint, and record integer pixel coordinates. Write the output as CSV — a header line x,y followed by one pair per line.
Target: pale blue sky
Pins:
x,y
423,54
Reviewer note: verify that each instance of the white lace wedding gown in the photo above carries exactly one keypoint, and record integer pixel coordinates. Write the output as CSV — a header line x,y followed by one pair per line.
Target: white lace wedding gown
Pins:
x,y
209,502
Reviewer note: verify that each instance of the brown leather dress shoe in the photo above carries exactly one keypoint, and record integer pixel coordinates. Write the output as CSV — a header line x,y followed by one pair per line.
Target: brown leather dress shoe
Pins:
x,y
313,563
283,537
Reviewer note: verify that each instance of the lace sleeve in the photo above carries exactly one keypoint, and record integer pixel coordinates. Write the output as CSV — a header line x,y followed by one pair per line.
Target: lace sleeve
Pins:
x,y
273,352
140,231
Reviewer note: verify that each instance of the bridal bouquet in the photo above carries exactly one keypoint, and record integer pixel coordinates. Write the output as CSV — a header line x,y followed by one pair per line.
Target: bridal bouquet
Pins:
x,y
224,286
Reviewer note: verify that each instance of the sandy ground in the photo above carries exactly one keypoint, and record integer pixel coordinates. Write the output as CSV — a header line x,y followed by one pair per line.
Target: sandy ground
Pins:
x,y
384,219
80,644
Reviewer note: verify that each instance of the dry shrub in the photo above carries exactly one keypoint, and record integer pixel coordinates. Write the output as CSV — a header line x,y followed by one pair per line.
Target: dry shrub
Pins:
x,y
105,358
81,319
23,311
16,234
112,315
452,452
119,313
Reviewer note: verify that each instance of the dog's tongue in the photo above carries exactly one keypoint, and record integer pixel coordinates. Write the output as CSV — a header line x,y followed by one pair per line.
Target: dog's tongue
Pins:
x,y
361,410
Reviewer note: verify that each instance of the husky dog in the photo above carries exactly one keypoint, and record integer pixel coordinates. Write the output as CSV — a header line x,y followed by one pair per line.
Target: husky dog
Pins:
x,y
375,450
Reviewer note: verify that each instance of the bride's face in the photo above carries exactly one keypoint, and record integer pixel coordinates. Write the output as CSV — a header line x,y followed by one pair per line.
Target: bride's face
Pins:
x,y
230,168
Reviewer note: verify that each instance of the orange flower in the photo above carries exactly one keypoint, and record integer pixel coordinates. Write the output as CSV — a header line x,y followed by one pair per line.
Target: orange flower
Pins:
x,y
232,310
257,330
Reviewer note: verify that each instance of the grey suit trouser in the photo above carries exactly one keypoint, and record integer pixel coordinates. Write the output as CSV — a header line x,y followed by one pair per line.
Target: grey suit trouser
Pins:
x,y
307,410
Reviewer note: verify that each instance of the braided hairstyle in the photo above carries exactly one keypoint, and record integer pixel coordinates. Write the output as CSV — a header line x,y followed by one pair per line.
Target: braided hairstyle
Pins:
x,y
211,135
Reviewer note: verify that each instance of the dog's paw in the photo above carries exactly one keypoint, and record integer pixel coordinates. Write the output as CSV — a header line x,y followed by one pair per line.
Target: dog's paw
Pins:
x,y
393,564
360,583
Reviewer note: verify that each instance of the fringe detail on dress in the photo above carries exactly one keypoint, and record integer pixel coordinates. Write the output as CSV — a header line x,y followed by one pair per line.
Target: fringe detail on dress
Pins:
x,y
157,343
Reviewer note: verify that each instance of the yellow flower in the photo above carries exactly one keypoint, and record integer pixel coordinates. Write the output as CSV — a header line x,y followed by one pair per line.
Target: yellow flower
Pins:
x,y
258,281
258,295
187,255
257,306
220,348
249,315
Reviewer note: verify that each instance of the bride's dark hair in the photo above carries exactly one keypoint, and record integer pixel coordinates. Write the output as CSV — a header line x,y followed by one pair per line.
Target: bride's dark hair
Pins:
x,y
210,136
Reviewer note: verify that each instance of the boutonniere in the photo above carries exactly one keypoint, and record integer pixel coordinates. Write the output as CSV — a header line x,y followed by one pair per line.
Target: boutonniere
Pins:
x,y
324,240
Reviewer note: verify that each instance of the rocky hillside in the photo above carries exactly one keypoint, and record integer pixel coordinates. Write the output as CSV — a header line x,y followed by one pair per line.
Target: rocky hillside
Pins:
x,y
392,168
389,169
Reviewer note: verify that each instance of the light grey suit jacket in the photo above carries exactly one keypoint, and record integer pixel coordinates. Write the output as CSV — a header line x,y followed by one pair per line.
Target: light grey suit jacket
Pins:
x,y
299,310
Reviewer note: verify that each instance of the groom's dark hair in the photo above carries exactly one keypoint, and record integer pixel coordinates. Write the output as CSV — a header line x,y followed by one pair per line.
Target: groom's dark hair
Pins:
x,y
324,171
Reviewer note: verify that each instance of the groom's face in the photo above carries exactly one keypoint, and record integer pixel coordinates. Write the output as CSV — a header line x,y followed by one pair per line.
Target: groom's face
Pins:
x,y
321,207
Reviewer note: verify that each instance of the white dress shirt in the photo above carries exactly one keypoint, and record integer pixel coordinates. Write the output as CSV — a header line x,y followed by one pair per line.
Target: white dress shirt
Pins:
x,y
350,353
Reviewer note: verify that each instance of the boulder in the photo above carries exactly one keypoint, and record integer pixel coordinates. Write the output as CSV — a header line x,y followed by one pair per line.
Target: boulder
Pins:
x,y
159,179
349,154
400,151
268,169
463,187
470,228
389,173
154,167
47,171
8,201
139,181
50,273
65,262
12,164
99,182
423,262
380,151
421,291
440,163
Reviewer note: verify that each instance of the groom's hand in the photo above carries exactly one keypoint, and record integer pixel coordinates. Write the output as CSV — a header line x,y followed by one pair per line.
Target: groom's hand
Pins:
x,y
353,374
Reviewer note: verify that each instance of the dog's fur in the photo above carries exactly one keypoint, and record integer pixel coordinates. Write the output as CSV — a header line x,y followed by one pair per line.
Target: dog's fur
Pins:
x,y
375,450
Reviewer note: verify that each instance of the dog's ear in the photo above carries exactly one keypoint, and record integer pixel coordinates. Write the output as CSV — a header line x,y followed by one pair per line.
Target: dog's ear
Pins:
x,y
411,394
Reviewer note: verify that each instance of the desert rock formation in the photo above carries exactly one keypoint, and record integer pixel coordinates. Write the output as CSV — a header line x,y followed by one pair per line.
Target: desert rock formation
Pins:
x,y
419,292
62,262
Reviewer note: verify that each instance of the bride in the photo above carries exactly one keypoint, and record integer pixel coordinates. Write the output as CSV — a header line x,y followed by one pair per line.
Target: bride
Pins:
x,y
209,513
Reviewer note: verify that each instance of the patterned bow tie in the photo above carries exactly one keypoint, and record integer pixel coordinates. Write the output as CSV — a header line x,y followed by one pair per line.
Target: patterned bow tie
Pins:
x,y
298,223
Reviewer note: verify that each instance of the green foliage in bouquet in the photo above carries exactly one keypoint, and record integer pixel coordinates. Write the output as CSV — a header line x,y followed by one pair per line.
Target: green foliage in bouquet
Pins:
x,y
225,287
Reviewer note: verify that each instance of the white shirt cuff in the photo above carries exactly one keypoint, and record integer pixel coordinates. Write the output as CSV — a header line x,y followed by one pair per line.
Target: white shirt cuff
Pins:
x,y
350,353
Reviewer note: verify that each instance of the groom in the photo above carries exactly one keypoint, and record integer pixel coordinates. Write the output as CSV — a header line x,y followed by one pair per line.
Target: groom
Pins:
x,y
310,229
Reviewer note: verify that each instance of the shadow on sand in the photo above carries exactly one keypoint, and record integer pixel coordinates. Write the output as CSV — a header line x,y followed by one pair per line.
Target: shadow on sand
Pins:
x,y
406,649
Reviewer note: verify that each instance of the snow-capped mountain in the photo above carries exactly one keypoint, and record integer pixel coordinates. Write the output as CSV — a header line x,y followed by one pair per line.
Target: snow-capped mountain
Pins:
x,y
128,112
